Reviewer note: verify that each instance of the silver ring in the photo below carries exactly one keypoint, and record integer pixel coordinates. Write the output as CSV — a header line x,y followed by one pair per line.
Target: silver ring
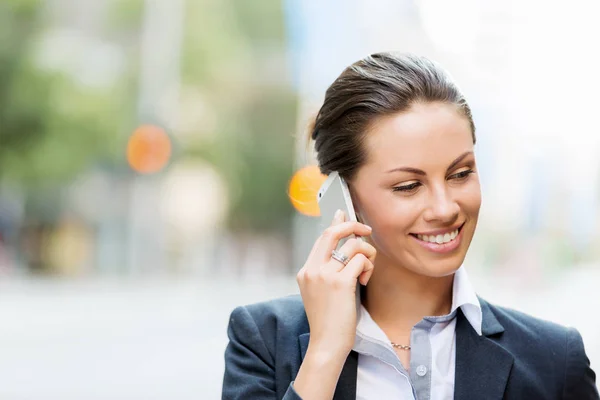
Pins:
x,y
339,256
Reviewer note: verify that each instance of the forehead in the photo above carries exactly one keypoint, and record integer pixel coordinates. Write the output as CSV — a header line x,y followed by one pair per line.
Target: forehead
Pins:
x,y
427,134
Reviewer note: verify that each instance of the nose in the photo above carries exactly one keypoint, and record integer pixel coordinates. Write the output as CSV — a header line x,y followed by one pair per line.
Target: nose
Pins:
x,y
442,207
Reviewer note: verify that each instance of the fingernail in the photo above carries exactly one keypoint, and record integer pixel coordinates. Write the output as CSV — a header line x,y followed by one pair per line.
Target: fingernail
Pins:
x,y
338,215
369,228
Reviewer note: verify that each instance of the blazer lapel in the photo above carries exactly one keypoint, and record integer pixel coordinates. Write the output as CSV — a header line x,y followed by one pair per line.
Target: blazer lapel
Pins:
x,y
346,386
482,366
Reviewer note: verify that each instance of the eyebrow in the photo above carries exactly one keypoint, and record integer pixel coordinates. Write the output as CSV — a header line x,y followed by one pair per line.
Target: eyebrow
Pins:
x,y
421,172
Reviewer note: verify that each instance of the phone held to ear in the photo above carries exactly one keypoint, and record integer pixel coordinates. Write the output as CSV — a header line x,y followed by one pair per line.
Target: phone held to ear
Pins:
x,y
332,196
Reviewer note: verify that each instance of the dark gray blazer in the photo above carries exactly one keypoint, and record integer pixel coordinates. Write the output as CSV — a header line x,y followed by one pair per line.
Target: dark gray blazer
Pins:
x,y
517,357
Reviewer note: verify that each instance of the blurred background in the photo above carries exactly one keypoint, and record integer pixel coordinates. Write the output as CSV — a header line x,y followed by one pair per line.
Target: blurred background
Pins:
x,y
147,149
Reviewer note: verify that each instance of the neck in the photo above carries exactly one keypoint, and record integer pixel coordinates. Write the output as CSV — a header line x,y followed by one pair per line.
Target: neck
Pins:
x,y
398,298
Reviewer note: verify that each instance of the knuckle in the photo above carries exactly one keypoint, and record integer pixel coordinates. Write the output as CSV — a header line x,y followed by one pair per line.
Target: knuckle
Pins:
x,y
328,233
301,274
361,257
369,249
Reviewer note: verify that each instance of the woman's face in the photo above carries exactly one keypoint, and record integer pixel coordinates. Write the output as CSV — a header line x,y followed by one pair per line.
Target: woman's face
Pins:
x,y
419,189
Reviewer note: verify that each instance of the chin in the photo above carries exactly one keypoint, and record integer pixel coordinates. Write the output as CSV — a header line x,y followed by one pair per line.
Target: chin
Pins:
x,y
437,269
434,265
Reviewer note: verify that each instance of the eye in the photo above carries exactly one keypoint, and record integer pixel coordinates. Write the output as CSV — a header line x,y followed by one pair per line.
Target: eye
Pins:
x,y
461,175
407,188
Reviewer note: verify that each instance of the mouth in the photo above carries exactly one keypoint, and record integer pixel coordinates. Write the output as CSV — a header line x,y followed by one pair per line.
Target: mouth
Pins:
x,y
440,237
440,241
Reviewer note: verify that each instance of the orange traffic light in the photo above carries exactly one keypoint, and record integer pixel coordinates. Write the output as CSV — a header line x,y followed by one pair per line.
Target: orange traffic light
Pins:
x,y
149,149
303,189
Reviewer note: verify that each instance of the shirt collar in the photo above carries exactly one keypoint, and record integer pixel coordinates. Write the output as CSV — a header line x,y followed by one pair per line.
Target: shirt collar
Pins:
x,y
463,297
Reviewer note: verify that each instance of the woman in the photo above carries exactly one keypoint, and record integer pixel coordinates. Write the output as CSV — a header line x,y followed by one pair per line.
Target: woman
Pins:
x,y
401,134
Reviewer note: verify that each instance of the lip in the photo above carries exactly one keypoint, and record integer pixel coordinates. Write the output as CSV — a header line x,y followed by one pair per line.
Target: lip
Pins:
x,y
440,231
444,247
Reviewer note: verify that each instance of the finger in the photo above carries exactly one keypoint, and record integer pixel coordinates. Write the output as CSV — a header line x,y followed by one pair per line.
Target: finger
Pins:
x,y
365,276
332,235
357,245
357,265
350,249
314,248
338,218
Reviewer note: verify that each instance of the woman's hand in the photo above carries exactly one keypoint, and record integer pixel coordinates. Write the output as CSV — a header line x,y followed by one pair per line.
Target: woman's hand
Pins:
x,y
328,287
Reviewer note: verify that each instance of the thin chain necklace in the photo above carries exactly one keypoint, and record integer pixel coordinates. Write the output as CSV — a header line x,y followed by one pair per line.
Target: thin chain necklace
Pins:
x,y
400,346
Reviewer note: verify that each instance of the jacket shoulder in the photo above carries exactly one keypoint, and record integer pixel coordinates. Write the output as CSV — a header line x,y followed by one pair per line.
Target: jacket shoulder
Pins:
x,y
264,350
534,340
528,325
545,348
276,315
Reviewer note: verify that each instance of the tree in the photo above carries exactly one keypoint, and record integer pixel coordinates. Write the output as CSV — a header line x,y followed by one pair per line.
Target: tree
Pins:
x,y
235,54
51,126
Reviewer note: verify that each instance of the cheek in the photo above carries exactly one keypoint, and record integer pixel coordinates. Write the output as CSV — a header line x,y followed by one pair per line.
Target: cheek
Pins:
x,y
393,215
470,198
392,223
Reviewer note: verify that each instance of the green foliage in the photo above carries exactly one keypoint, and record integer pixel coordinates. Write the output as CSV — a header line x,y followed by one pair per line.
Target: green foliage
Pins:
x,y
51,126
254,152
214,48
261,21
21,110
232,53
125,14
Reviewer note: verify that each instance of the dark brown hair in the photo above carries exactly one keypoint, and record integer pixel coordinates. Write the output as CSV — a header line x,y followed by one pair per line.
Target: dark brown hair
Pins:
x,y
379,85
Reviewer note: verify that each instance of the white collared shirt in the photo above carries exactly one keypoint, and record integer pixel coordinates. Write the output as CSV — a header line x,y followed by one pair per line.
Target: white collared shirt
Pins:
x,y
380,373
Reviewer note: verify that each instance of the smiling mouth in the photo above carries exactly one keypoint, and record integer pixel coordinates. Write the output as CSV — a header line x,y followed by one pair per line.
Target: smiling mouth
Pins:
x,y
440,238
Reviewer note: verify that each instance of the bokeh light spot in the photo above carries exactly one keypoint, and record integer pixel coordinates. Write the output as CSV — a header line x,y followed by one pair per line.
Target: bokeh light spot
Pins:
x,y
303,189
149,149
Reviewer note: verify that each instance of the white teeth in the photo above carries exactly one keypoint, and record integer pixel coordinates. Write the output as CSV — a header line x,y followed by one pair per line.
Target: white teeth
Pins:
x,y
439,239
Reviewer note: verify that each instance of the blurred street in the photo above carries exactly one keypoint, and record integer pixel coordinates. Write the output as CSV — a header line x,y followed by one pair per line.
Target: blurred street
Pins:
x,y
118,339
155,171
163,338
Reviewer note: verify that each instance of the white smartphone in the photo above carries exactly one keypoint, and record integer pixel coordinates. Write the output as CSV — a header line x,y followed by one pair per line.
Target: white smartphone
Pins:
x,y
332,196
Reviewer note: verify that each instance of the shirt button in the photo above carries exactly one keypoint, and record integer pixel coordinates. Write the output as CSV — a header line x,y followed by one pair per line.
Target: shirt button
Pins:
x,y
421,370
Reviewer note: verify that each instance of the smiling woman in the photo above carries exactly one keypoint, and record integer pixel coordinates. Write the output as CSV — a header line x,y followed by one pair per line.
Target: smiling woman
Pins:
x,y
400,133
422,201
